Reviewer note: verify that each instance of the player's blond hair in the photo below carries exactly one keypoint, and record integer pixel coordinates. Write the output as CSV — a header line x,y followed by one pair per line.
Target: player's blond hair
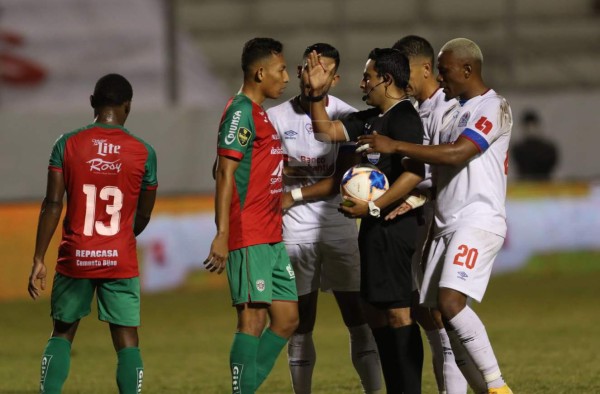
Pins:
x,y
464,48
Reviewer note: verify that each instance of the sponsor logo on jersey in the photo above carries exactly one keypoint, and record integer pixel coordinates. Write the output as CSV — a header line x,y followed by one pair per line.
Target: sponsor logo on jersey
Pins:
x,y
236,375
235,121
462,275
97,253
278,171
464,119
260,285
243,136
290,135
106,148
140,377
265,118
290,271
276,151
275,136
104,167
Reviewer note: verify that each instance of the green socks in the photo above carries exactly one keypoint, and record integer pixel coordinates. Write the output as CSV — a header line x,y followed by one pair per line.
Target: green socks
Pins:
x,y
56,362
242,361
130,370
269,347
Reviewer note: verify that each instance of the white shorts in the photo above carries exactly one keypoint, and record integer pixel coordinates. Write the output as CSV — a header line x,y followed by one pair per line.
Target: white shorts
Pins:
x,y
417,263
462,261
326,265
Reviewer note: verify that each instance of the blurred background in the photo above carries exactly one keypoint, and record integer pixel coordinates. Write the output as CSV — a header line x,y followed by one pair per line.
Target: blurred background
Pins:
x,y
183,59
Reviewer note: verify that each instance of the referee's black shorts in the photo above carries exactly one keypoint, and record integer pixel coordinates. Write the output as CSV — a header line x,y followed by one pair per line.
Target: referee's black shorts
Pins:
x,y
386,249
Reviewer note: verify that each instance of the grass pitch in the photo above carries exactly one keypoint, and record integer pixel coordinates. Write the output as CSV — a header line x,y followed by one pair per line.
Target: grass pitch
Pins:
x,y
544,324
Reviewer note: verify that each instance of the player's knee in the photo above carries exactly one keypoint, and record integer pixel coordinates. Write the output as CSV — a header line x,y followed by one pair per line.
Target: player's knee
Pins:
x,y
451,303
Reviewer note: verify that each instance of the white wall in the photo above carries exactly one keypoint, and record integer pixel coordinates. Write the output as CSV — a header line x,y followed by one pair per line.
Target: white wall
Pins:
x,y
185,140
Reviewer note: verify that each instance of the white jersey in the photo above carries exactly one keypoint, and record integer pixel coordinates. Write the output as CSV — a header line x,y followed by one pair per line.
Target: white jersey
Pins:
x,y
432,112
474,193
311,221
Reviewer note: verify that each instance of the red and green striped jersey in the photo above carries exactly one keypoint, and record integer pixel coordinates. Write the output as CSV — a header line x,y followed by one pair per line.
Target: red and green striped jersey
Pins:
x,y
104,168
247,135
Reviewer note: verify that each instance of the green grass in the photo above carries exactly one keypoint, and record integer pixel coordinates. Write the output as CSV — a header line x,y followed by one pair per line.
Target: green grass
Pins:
x,y
544,324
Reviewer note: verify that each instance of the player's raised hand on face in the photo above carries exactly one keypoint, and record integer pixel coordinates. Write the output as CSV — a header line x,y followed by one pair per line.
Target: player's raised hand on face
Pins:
x,y
354,208
217,258
318,74
38,272
375,143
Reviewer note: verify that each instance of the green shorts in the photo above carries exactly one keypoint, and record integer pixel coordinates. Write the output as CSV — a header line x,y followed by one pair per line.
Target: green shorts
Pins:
x,y
261,273
118,299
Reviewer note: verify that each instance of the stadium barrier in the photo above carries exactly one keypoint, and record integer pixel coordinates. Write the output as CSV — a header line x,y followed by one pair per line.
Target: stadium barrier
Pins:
x,y
542,217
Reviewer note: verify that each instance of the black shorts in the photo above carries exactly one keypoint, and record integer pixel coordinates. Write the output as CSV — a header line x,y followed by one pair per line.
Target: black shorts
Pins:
x,y
386,249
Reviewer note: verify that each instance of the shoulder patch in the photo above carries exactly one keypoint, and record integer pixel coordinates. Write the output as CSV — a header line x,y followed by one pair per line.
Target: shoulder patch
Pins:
x,y
243,136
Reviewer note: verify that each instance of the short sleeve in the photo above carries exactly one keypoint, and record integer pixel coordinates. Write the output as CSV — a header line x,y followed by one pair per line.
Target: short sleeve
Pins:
x,y
487,123
150,182
406,125
58,153
237,131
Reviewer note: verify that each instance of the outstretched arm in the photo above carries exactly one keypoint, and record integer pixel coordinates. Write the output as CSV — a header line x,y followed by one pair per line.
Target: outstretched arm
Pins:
x,y
48,220
454,154
219,249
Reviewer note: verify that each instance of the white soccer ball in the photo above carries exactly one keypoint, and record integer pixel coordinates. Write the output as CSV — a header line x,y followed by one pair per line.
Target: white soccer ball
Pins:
x,y
364,182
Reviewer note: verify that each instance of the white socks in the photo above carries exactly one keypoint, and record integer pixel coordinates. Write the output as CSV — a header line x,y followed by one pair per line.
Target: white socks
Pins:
x,y
365,358
471,333
448,376
301,360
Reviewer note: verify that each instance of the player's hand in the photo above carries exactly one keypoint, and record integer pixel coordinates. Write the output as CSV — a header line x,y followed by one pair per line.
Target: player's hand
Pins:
x,y
354,208
287,201
319,75
399,210
219,251
375,143
38,272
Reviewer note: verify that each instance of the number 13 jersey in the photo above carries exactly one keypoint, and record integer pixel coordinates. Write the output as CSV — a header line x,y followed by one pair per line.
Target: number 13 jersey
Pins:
x,y
104,169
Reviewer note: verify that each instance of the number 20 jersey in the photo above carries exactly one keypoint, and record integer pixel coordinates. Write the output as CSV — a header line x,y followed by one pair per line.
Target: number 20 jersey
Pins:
x,y
104,168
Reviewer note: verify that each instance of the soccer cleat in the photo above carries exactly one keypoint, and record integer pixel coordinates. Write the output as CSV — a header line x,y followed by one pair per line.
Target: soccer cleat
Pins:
x,y
500,390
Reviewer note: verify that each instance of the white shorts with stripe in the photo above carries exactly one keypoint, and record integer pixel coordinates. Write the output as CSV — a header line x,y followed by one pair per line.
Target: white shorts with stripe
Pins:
x,y
462,261
326,265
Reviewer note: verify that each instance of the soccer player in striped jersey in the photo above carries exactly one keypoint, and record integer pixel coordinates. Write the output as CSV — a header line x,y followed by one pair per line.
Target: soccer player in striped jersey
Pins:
x,y
470,218
321,242
109,176
248,201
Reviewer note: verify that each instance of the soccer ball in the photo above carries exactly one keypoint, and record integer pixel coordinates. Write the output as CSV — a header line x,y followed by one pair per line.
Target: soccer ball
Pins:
x,y
364,182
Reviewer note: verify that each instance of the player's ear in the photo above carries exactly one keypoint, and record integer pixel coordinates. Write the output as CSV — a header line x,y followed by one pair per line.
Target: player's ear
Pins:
x,y
127,107
259,74
387,78
468,69
335,80
92,100
427,70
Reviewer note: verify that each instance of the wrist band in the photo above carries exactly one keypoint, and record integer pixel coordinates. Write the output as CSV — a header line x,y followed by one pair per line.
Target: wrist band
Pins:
x,y
315,99
297,194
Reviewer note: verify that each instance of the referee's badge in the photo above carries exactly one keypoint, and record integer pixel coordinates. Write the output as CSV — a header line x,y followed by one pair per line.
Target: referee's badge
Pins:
x,y
373,157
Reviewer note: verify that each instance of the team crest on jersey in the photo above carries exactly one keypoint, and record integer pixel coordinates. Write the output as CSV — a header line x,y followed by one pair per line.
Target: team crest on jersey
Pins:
x,y
374,157
243,136
308,127
260,285
464,119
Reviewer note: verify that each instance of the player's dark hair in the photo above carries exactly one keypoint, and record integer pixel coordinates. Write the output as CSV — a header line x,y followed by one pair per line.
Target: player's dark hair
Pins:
x,y
111,90
411,46
257,49
324,50
391,61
